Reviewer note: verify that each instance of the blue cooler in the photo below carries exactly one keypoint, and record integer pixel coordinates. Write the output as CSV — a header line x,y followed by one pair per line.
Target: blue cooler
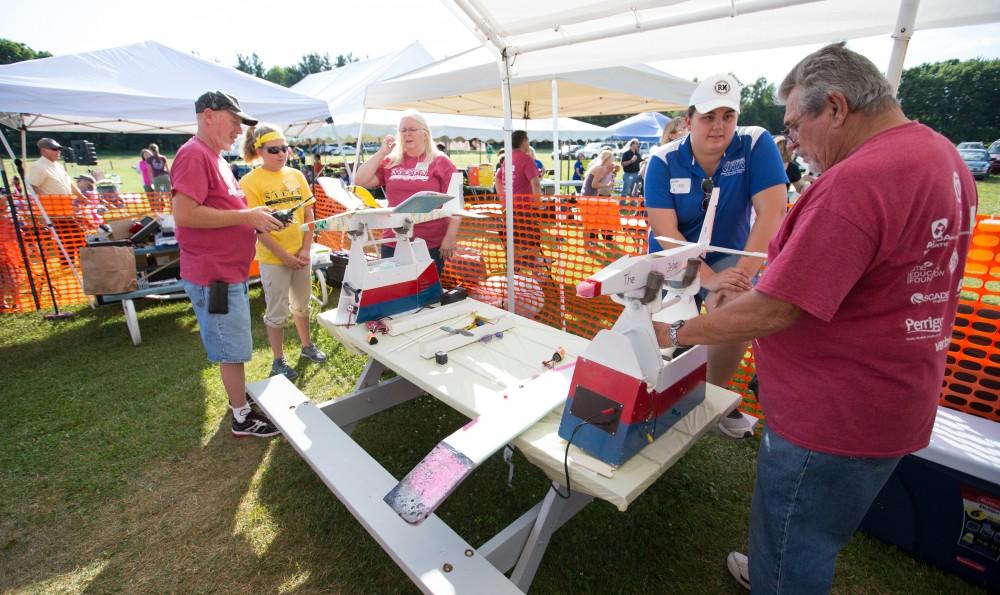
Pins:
x,y
942,504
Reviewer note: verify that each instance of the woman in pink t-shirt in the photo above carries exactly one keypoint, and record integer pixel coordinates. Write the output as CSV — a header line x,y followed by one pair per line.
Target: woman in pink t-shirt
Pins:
x,y
143,167
407,166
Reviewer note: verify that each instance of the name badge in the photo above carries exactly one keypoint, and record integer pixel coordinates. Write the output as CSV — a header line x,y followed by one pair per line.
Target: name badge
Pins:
x,y
680,185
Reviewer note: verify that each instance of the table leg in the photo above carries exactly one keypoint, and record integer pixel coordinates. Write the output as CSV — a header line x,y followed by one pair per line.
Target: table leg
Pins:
x,y
132,321
554,512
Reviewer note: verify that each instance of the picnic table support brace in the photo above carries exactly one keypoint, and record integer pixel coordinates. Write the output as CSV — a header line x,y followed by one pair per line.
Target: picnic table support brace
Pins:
x,y
523,542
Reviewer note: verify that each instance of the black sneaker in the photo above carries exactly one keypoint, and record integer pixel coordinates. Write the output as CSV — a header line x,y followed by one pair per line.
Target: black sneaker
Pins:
x,y
255,424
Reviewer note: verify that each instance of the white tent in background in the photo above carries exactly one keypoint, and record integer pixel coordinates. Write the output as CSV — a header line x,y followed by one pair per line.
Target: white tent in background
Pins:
x,y
143,87
528,38
343,88
378,123
469,84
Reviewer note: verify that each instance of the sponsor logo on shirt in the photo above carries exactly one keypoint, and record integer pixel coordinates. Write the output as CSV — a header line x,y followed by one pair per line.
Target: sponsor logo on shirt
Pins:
x,y
939,235
734,167
929,298
923,328
953,261
957,183
409,173
923,274
942,344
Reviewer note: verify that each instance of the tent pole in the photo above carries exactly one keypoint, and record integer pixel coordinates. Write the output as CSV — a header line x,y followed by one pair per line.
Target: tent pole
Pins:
x,y
901,35
357,149
555,137
508,171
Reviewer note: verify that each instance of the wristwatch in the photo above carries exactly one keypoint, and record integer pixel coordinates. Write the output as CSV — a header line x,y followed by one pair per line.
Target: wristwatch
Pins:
x,y
674,328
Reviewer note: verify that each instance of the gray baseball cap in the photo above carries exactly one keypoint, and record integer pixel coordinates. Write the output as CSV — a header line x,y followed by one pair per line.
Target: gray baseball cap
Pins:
x,y
219,100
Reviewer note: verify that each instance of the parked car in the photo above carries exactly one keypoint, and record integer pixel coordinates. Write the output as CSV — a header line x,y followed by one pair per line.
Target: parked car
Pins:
x,y
371,148
994,152
569,151
978,161
590,150
970,145
644,147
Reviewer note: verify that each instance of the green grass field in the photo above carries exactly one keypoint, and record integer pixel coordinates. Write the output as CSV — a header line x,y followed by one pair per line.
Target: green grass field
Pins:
x,y
119,474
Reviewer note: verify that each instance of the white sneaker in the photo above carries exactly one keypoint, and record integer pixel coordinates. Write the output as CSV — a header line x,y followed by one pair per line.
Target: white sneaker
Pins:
x,y
737,428
739,567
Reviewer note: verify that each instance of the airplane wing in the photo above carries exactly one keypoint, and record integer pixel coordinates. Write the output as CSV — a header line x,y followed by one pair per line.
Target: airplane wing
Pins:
x,y
434,478
339,222
335,190
709,248
422,202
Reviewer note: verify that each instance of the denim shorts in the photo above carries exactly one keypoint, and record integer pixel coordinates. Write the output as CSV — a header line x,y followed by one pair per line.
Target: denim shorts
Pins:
x,y
226,337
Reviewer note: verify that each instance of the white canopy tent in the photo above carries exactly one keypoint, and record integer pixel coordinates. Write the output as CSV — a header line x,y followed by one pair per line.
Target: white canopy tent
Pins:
x,y
143,87
467,84
140,88
344,88
378,123
530,38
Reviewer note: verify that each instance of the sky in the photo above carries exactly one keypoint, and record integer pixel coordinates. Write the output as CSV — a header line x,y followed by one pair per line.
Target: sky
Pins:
x,y
281,32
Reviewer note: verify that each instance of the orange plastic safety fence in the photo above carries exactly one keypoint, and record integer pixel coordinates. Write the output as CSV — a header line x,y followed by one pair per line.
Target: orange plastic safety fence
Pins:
x,y
71,222
558,242
972,375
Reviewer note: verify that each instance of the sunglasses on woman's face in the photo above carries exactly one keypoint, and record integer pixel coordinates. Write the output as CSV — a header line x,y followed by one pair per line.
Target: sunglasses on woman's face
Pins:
x,y
277,150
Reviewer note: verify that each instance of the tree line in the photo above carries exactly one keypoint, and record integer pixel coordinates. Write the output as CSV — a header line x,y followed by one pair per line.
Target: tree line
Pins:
x,y
286,76
956,98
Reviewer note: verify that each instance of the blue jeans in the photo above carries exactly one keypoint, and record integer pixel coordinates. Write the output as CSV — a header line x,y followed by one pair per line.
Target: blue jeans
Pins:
x,y
628,182
226,337
386,251
806,505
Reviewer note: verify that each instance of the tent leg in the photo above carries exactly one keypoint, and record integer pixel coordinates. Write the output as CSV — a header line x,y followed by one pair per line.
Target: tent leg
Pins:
x,y
901,34
508,181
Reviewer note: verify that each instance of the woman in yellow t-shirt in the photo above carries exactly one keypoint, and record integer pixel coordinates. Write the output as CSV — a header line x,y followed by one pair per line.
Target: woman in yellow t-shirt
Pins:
x,y
284,255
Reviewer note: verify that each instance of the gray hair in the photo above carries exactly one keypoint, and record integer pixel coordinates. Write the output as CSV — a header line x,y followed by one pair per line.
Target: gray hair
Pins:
x,y
836,68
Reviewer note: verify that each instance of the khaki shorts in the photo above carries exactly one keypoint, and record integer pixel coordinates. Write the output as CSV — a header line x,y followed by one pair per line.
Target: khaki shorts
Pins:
x,y
285,290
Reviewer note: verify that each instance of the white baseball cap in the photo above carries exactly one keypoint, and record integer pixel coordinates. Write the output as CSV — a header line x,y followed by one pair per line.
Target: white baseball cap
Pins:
x,y
718,90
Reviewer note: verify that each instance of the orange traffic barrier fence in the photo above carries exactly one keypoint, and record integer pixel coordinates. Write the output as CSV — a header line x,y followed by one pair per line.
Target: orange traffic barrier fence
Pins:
x,y
558,242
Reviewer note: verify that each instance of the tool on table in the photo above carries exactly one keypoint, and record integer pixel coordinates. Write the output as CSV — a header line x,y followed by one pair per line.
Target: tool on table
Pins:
x,y
558,356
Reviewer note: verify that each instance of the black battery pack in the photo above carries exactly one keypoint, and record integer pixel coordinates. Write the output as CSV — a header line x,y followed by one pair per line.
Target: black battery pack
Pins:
x,y
218,298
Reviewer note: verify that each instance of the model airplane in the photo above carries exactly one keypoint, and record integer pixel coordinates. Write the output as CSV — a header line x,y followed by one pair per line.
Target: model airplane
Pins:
x,y
622,375
625,391
388,286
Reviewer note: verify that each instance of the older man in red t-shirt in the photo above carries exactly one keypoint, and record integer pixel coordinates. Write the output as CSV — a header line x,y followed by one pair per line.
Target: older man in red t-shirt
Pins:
x,y
216,233
852,318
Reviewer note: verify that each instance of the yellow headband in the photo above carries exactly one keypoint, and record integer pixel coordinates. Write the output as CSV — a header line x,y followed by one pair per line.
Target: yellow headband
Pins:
x,y
270,136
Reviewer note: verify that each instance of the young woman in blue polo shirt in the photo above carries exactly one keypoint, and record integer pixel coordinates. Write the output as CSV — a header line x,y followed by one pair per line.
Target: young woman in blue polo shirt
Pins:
x,y
745,165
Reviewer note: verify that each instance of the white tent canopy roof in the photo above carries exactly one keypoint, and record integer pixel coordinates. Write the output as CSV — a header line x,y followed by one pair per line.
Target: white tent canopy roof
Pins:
x,y
469,84
381,122
344,88
568,35
143,87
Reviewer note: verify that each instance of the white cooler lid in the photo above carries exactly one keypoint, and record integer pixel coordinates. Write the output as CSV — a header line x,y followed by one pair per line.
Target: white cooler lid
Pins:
x,y
966,443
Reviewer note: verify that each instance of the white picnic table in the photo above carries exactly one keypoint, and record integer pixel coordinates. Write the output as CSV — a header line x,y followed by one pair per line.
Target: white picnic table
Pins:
x,y
474,378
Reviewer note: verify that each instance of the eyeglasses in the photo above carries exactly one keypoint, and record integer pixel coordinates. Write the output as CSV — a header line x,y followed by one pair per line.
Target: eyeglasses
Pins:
x,y
707,186
277,150
791,131
411,130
